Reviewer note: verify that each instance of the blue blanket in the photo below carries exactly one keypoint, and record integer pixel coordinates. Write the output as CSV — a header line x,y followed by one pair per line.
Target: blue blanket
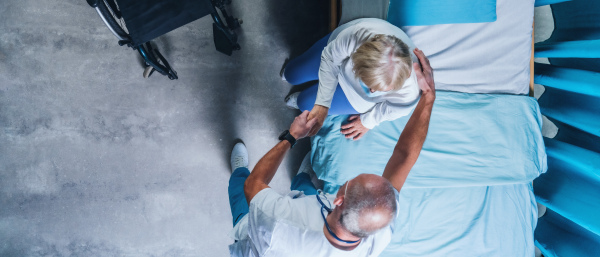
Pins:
x,y
473,140
465,221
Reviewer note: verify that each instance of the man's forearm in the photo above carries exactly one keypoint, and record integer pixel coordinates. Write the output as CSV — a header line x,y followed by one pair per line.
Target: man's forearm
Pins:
x,y
413,136
410,143
265,170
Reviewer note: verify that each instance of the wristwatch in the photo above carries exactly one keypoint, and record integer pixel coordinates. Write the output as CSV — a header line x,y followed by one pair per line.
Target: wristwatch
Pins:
x,y
287,136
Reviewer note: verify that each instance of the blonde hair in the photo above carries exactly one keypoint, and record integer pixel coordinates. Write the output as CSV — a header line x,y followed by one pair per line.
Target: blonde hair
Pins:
x,y
381,62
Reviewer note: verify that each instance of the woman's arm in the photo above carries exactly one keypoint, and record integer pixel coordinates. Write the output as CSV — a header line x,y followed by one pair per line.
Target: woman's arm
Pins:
x,y
386,111
332,57
358,125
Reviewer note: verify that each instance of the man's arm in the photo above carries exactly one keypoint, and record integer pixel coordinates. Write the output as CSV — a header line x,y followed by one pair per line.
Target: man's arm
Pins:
x,y
265,169
413,136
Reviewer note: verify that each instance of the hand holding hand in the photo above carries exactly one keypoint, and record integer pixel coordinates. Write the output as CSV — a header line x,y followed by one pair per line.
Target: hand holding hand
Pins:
x,y
319,113
355,129
424,74
301,126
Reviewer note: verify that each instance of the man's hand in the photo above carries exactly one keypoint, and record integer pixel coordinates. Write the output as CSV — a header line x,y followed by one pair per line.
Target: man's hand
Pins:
x,y
319,113
301,125
355,129
424,73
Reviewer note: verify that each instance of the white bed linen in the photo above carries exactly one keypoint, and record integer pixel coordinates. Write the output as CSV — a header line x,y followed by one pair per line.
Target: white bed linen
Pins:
x,y
481,57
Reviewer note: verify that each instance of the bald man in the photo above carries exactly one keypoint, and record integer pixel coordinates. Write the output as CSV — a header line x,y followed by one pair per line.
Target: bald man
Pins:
x,y
354,222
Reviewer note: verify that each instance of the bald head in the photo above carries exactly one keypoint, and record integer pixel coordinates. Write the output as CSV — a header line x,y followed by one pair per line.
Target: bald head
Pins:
x,y
370,204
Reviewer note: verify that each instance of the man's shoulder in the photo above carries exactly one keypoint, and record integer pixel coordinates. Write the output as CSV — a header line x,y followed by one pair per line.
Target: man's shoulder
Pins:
x,y
268,206
275,220
270,199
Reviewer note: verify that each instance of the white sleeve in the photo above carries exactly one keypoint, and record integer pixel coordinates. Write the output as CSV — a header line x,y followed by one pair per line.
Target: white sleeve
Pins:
x,y
332,57
385,111
261,221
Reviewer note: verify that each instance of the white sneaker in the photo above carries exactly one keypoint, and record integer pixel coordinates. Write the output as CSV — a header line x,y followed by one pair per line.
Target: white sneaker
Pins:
x,y
292,100
239,156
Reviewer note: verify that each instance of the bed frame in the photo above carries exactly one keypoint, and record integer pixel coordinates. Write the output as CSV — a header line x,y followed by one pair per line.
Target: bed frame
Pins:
x,y
334,18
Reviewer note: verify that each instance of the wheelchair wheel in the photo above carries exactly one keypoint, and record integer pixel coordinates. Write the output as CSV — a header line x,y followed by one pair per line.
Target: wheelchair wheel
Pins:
x,y
110,14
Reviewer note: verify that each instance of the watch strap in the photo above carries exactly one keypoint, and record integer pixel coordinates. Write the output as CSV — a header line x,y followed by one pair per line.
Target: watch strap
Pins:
x,y
287,136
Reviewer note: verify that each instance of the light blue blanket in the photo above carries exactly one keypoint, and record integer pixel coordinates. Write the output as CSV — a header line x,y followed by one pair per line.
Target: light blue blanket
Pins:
x,y
469,193
473,140
465,221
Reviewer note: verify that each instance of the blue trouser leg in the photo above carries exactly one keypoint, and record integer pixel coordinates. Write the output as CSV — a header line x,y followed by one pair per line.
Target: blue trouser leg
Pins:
x,y
305,67
301,182
237,198
339,103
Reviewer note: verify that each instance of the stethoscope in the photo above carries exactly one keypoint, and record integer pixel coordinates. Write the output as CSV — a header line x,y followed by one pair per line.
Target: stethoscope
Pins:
x,y
329,210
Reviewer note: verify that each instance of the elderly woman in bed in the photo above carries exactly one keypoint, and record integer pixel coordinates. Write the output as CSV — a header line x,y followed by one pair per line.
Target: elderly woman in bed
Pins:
x,y
363,68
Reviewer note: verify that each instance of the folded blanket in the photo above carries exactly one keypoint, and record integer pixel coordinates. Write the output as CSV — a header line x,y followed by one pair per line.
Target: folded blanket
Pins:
x,y
473,140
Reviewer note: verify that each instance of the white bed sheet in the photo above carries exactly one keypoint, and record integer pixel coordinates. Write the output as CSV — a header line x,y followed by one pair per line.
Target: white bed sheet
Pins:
x,y
481,57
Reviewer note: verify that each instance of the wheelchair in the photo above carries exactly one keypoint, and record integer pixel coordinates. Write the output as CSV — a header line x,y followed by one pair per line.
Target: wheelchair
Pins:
x,y
149,19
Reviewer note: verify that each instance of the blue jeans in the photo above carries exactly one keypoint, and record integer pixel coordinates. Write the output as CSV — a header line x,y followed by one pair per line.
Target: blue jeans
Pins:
x,y
305,68
237,198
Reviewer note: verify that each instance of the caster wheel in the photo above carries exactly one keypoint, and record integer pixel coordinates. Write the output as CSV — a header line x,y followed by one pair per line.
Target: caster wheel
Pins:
x,y
148,71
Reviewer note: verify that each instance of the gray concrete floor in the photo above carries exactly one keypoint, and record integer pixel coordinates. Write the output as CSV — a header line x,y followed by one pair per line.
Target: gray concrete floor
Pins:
x,y
95,160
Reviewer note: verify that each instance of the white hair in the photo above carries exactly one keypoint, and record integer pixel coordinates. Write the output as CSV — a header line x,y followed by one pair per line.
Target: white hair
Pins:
x,y
382,62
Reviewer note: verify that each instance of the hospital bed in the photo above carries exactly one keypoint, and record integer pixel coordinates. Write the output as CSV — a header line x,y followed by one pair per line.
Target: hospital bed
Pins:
x,y
470,192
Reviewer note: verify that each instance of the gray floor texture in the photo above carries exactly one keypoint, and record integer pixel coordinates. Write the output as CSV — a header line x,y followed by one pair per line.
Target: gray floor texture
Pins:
x,y
95,160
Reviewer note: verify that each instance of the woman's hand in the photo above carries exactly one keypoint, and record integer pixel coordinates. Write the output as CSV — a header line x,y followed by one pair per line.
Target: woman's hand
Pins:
x,y
318,112
424,74
355,129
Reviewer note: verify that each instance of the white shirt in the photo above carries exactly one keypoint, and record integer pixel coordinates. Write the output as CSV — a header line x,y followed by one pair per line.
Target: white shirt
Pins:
x,y
279,225
336,67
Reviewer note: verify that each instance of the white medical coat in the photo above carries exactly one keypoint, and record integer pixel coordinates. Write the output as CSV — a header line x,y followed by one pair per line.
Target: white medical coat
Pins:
x,y
279,225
